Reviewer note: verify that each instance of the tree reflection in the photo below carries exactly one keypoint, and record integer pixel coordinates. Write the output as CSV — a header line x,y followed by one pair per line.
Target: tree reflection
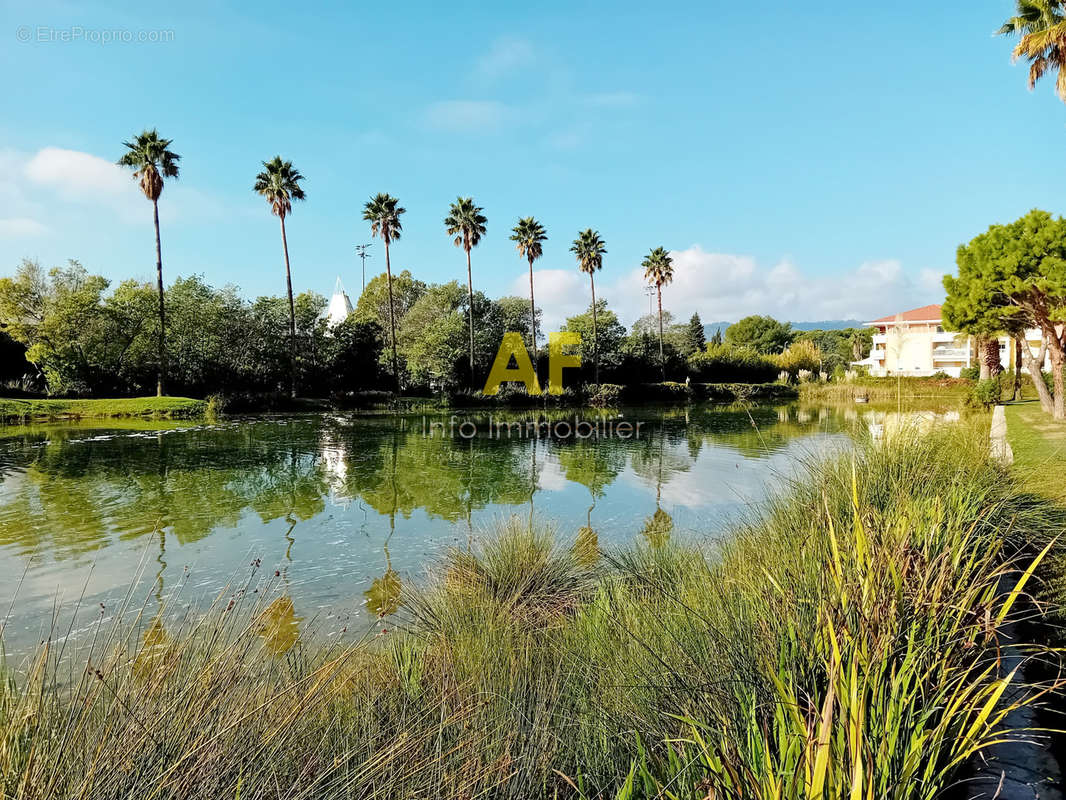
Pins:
x,y
70,490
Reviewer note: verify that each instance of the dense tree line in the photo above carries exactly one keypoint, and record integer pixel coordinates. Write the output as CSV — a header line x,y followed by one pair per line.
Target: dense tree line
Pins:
x,y
82,336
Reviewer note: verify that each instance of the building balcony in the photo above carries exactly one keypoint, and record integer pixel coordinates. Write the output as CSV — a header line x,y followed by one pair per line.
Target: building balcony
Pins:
x,y
947,337
877,355
880,338
950,354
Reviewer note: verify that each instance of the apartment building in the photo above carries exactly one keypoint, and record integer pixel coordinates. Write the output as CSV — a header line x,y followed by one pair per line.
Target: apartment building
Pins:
x,y
915,343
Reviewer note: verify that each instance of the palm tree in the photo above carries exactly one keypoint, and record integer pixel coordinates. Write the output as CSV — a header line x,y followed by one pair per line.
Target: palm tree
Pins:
x,y
467,224
1041,24
152,161
659,272
529,235
589,249
383,213
279,183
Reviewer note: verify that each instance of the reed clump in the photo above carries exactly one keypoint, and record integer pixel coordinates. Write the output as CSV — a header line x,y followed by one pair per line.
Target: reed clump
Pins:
x,y
845,641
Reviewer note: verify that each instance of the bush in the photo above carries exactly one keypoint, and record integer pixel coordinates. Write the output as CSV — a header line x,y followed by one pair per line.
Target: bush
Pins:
x,y
605,395
940,375
729,364
802,355
986,393
216,406
970,373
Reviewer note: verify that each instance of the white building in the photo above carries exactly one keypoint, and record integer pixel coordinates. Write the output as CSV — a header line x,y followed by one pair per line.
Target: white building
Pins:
x,y
339,305
915,343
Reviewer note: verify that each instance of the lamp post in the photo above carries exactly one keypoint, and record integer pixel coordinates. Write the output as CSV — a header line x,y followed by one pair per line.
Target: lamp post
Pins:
x,y
361,251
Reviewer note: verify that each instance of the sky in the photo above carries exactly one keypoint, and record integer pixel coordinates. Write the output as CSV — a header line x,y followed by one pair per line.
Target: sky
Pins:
x,y
808,161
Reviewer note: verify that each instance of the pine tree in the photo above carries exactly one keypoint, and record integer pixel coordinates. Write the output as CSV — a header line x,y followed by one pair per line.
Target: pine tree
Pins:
x,y
695,338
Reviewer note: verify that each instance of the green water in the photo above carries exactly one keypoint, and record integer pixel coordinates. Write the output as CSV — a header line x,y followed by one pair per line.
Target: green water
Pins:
x,y
333,504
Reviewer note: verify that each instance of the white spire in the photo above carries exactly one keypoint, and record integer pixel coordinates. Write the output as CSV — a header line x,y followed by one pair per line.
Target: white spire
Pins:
x,y
339,305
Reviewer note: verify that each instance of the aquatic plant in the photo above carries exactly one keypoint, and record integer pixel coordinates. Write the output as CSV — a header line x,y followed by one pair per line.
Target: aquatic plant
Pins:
x,y
844,641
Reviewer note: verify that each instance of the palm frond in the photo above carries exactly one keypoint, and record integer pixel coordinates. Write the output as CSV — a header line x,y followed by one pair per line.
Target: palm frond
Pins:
x,y
152,160
465,222
589,249
528,235
279,183
658,267
383,212
1041,26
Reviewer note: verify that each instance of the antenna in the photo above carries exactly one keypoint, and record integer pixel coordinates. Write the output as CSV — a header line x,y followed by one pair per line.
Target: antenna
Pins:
x,y
361,251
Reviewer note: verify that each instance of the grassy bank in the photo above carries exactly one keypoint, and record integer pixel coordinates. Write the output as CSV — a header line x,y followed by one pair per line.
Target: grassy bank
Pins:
x,y
1039,445
883,390
605,395
158,407
844,642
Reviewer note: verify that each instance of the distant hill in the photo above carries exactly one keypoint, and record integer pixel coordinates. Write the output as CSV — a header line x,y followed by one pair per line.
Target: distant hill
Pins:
x,y
827,325
819,325
711,327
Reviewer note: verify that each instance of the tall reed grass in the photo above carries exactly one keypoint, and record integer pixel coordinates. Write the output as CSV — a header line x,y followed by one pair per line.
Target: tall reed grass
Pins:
x,y
844,642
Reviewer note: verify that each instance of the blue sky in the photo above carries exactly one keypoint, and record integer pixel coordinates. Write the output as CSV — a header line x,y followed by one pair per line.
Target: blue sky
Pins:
x,y
803,160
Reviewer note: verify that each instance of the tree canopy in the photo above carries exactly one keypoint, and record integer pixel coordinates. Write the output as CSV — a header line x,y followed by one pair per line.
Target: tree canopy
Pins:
x,y
1012,277
763,334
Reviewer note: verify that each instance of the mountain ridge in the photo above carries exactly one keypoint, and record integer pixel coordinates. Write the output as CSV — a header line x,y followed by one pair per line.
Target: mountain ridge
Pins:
x,y
816,325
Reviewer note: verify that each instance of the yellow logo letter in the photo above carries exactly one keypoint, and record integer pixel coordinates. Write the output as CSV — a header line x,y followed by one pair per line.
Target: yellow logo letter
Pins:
x,y
512,345
557,359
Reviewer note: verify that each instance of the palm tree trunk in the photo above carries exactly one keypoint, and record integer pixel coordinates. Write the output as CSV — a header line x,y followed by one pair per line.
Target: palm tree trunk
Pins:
x,y
292,311
162,374
532,316
595,335
392,318
470,292
662,360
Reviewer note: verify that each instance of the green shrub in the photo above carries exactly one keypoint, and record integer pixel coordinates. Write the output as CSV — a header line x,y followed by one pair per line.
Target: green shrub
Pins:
x,y
728,364
605,395
986,393
801,355
970,373
216,406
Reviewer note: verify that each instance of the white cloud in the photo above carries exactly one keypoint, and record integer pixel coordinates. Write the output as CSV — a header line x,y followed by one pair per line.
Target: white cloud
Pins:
x,y
21,226
466,116
931,280
77,175
724,286
560,293
54,186
506,55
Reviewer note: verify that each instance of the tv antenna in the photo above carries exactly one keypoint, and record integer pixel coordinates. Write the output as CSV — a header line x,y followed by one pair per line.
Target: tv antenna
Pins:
x,y
361,251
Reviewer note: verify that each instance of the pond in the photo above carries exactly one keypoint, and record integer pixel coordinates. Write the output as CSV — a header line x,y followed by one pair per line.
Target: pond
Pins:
x,y
334,505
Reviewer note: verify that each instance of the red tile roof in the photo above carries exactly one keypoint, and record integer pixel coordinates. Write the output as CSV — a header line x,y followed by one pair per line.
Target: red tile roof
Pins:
x,y
923,314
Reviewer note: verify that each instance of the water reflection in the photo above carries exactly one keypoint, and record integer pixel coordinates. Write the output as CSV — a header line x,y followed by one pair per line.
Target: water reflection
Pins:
x,y
349,507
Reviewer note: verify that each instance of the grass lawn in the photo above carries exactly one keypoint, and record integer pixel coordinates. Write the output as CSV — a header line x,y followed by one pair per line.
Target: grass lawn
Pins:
x,y
157,407
1039,445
